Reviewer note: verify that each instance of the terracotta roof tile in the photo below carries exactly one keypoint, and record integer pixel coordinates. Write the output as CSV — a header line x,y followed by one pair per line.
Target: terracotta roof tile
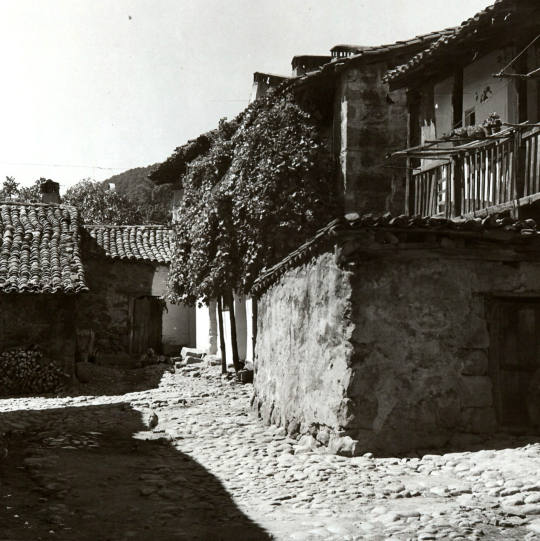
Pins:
x,y
497,12
171,170
152,243
40,249
492,228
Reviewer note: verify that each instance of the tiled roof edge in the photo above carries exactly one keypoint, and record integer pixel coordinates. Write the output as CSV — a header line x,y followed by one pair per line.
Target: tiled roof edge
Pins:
x,y
111,226
142,253
325,237
446,41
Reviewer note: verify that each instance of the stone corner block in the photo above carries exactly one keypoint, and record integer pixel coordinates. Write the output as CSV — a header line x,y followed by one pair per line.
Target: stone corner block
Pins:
x,y
343,446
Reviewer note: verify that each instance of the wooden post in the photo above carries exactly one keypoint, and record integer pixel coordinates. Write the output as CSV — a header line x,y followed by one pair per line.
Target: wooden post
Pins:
x,y
222,336
234,343
457,184
519,165
408,186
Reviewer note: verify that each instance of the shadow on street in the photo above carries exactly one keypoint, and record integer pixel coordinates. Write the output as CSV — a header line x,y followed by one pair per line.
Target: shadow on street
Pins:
x,y
97,473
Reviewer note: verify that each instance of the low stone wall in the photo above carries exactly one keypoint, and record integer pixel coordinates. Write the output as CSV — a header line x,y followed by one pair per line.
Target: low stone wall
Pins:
x,y
384,354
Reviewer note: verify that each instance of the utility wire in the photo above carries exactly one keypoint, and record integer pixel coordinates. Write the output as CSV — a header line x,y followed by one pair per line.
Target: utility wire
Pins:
x,y
61,165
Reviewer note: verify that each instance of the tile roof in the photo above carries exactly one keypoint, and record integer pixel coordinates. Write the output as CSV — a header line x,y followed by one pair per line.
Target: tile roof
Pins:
x,y
39,249
496,13
492,228
151,243
361,53
171,170
424,39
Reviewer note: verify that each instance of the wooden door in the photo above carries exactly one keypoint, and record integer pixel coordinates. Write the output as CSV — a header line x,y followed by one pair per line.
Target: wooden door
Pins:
x,y
515,358
145,325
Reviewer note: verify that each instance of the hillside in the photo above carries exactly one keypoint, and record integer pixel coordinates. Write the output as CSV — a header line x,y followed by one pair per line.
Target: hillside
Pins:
x,y
154,201
134,183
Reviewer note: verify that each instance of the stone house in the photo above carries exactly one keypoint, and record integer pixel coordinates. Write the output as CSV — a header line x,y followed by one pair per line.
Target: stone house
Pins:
x,y
41,276
126,270
389,334
59,279
361,121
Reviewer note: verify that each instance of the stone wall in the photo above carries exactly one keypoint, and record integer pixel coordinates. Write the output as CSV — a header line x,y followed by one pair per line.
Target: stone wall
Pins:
x,y
303,349
373,123
105,307
44,320
389,355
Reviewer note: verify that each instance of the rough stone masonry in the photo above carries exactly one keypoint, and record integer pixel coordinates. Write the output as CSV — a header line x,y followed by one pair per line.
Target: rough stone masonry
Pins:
x,y
388,346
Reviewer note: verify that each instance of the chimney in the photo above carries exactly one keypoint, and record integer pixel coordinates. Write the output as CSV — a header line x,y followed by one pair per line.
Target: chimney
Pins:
x,y
306,63
50,192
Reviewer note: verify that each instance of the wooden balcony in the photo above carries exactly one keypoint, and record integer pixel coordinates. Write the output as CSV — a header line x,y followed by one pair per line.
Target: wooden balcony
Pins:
x,y
492,175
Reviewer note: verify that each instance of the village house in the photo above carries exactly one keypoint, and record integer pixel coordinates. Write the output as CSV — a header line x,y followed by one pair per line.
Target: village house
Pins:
x,y
85,291
41,275
361,121
126,270
395,333
480,81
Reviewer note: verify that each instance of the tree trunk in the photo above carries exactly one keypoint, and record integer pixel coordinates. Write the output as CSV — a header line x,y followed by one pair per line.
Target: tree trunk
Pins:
x,y
221,336
253,324
234,343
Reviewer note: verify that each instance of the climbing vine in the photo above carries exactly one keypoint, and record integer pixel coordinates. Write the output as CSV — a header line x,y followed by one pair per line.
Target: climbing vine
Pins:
x,y
263,186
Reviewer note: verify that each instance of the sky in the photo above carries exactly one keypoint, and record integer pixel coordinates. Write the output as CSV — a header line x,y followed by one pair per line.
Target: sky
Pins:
x,y
91,88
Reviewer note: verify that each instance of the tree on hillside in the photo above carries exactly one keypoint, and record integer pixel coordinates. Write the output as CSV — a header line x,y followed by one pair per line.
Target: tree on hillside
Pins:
x,y
153,202
12,190
98,205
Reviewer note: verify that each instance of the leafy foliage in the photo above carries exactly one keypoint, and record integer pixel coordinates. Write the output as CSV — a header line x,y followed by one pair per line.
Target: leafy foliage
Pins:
x,y
174,167
141,203
262,188
154,203
12,190
97,205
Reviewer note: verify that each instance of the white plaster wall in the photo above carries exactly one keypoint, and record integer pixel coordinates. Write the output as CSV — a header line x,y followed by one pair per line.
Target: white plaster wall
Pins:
x,y
249,330
502,98
207,331
241,329
202,327
177,328
178,323
444,111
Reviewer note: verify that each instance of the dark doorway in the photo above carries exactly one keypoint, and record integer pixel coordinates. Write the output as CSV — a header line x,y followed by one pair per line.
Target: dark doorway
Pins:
x,y
514,358
146,315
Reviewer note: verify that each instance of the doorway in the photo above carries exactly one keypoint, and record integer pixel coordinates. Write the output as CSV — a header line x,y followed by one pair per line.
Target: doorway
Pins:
x,y
146,322
514,360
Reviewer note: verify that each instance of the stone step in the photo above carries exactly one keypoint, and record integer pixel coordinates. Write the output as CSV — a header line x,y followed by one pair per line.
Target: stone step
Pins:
x,y
191,352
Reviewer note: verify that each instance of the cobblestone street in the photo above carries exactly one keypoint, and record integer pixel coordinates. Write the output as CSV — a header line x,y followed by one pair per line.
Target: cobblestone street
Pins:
x,y
202,467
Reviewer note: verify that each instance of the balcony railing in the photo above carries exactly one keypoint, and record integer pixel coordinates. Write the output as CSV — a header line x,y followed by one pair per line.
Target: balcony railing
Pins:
x,y
489,175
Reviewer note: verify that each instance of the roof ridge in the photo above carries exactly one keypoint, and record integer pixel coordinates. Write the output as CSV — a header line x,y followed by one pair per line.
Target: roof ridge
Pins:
x,y
127,226
5,202
403,42
459,32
